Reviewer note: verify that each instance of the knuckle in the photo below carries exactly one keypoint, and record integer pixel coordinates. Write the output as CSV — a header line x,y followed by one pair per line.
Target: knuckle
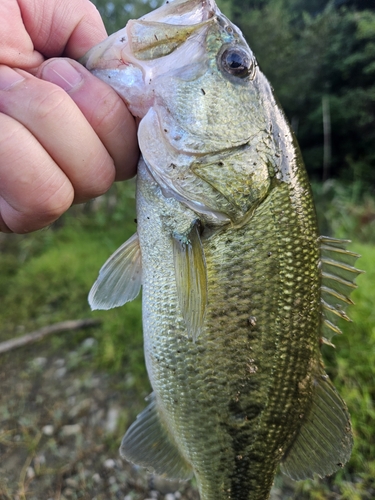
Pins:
x,y
50,104
30,215
104,178
9,136
58,202
108,113
51,202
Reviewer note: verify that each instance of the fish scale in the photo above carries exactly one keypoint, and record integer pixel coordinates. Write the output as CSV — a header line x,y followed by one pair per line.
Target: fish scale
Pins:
x,y
239,291
281,348
263,402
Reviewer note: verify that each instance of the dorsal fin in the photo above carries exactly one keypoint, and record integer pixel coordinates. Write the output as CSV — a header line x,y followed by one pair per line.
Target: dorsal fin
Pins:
x,y
338,275
120,278
148,443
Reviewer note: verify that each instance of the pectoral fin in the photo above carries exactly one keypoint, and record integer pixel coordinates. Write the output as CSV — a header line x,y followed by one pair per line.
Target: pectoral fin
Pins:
x,y
120,278
147,443
191,279
325,440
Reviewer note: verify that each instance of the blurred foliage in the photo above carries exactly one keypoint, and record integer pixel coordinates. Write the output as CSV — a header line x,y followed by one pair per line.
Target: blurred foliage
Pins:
x,y
116,13
310,50
345,210
46,276
315,49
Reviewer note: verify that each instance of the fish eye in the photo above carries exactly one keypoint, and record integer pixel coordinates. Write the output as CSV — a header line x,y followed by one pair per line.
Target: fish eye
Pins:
x,y
237,62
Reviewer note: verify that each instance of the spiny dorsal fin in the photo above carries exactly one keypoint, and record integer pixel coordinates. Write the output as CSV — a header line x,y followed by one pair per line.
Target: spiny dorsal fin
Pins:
x,y
147,443
120,278
191,279
338,275
325,441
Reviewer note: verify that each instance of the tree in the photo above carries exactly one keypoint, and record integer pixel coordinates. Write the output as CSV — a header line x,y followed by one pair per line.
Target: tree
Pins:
x,y
315,52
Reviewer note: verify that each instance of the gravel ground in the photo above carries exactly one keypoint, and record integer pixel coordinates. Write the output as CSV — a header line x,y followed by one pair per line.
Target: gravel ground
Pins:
x,y
60,427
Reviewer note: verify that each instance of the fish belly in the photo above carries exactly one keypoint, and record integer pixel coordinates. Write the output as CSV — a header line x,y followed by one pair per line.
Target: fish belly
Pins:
x,y
233,399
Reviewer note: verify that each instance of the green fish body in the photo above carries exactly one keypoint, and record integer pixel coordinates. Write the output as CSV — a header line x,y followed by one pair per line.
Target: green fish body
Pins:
x,y
239,290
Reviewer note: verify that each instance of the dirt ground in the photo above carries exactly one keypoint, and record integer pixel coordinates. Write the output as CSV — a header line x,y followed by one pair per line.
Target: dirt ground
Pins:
x,y
60,428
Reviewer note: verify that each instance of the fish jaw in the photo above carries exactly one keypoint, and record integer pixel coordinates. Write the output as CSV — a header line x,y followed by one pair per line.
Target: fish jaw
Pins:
x,y
169,69
129,60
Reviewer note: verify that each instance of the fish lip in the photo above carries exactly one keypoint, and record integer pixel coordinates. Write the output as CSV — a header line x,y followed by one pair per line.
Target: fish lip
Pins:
x,y
183,12
94,59
175,12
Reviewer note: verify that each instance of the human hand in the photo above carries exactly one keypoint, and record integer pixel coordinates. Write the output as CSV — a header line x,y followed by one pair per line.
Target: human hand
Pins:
x,y
64,134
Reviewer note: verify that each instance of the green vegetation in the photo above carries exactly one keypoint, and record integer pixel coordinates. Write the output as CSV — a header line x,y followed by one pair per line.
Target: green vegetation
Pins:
x,y
46,276
346,211
316,52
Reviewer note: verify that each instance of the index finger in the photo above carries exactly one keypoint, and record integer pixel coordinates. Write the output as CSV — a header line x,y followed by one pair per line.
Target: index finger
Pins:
x,y
38,29
59,27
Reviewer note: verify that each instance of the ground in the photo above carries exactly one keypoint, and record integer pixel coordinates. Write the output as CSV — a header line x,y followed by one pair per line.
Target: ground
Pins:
x,y
61,426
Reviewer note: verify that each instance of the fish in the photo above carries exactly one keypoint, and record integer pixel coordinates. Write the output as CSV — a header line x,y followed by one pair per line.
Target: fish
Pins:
x,y
239,290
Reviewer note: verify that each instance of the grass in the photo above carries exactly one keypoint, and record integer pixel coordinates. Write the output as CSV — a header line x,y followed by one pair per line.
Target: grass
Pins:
x,y
46,276
355,366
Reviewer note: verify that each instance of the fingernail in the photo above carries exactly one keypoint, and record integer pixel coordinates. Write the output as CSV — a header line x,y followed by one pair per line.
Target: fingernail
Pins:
x,y
61,73
9,77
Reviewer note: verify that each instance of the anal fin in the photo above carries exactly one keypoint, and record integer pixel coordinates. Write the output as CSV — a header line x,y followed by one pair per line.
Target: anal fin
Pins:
x,y
120,278
324,442
147,443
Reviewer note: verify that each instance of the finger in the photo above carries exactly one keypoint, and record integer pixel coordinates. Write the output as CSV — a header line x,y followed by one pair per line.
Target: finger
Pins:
x,y
34,191
60,127
16,45
103,108
59,27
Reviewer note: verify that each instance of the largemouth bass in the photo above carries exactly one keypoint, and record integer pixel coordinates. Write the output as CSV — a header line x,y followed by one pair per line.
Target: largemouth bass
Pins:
x,y
239,290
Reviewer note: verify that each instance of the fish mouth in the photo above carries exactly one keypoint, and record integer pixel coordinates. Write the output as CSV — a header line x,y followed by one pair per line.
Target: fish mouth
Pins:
x,y
183,12
154,35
